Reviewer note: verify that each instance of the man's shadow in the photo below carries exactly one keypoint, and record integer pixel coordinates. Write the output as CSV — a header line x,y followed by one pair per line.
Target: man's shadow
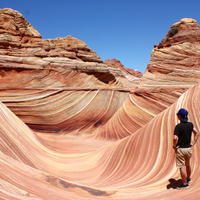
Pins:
x,y
174,183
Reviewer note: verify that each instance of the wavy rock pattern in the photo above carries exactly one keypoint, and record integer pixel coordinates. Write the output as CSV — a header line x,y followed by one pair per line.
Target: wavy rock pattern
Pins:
x,y
132,168
73,127
175,61
172,70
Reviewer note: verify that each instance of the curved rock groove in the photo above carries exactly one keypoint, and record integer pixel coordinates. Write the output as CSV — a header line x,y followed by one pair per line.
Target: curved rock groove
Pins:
x,y
138,166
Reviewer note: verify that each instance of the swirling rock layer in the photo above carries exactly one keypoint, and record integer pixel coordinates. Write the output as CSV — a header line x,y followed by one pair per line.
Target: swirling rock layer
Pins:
x,y
141,166
73,127
175,61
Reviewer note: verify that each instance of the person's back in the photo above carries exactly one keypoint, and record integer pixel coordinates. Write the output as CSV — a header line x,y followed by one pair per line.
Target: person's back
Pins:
x,y
184,133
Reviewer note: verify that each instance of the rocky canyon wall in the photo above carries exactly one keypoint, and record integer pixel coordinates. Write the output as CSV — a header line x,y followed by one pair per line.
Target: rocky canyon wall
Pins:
x,y
75,127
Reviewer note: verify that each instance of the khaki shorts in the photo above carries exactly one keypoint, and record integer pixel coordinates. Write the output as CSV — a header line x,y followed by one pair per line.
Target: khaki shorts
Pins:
x,y
183,156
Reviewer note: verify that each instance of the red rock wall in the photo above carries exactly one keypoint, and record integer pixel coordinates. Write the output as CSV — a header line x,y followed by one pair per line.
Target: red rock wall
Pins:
x,y
175,61
73,127
141,166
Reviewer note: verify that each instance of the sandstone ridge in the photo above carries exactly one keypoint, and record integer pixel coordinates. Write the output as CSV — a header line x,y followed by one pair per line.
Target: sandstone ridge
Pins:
x,y
73,127
42,74
175,60
17,33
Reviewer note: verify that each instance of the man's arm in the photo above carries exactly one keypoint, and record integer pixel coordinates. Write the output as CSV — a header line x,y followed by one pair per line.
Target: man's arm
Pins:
x,y
175,140
196,135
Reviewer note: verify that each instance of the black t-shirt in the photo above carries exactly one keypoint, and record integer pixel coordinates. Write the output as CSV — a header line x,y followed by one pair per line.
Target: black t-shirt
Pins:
x,y
184,133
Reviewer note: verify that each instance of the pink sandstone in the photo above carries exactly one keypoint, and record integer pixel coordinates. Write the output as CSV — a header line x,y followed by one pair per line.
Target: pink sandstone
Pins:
x,y
73,127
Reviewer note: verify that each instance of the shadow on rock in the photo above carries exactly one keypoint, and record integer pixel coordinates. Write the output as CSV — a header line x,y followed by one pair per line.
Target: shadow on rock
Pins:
x,y
174,183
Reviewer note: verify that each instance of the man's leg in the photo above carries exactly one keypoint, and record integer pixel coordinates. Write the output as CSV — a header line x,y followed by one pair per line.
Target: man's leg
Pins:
x,y
183,160
188,171
183,176
187,163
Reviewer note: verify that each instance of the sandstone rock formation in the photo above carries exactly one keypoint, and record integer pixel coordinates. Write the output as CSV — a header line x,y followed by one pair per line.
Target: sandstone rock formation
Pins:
x,y
172,70
73,127
46,74
117,64
141,166
175,61
132,75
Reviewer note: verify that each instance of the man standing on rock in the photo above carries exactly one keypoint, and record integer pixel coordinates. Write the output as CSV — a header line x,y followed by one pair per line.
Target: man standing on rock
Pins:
x,y
182,146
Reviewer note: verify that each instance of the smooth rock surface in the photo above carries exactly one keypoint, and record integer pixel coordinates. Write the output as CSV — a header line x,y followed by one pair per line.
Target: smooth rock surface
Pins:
x,y
141,166
73,127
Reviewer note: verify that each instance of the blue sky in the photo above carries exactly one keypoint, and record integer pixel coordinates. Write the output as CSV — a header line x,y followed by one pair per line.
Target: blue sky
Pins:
x,y
126,30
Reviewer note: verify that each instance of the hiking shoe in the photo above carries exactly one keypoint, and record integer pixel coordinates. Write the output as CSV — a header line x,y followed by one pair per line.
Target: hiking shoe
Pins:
x,y
183,186
189,180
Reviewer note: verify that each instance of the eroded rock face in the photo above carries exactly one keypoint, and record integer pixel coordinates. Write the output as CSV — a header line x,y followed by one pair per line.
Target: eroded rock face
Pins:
x,y
24,40
176,60
172,70
117,64
69,167
132,75
73,127
60,76
67,79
